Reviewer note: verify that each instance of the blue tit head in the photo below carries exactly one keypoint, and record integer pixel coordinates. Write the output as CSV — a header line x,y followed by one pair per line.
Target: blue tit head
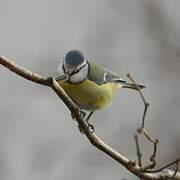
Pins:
x,y
75,65
74,58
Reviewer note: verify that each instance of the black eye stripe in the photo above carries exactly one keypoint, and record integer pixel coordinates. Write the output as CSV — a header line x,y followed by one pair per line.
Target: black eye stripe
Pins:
x,y
77,70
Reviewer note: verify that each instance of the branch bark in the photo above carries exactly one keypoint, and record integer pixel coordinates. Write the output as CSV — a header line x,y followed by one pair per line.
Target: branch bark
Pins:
x,y
74,109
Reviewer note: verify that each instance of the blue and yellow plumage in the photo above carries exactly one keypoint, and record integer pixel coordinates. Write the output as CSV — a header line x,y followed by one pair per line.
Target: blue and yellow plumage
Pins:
x,y
91,86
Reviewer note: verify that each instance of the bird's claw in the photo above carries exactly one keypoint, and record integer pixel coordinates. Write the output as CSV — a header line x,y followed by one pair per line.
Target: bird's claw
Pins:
x,y
82,113
91,127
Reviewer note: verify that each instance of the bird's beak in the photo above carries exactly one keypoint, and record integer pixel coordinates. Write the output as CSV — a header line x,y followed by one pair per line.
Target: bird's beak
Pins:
x,y
63,77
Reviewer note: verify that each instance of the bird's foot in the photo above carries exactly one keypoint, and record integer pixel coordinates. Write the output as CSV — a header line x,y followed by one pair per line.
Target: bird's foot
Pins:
x,y
90,126
82,113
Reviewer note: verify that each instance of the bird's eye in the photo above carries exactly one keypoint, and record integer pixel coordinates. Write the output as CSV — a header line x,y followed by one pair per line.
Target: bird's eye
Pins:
x,y
75,71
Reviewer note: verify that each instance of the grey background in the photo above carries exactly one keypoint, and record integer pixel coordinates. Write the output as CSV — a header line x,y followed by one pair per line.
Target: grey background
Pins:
x,y
38,139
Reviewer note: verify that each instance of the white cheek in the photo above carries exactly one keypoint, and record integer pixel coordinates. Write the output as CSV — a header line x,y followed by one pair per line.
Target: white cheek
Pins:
x,y
80,76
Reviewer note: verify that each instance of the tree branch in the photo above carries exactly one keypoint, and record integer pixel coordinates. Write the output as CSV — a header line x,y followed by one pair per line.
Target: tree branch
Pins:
x,y
74,109
142,129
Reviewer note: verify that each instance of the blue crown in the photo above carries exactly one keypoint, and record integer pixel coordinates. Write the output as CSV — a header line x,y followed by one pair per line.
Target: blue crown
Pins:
x,y
74,58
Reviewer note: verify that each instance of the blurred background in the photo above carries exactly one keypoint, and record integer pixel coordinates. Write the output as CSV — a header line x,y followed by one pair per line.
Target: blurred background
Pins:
x,y
38,139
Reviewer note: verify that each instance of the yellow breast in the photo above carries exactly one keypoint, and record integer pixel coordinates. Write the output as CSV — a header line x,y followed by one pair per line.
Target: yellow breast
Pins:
x,y
89,95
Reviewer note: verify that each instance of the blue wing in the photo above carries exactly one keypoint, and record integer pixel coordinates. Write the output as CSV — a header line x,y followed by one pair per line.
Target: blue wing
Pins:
x,y
102,75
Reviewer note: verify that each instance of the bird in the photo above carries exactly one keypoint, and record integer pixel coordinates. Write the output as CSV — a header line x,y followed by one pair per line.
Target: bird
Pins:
x,y
91,86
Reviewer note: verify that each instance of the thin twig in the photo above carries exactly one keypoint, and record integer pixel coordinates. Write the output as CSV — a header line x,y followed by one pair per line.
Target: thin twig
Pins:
x,y
162,168
139,154
142,129
146,134
146,104
138,151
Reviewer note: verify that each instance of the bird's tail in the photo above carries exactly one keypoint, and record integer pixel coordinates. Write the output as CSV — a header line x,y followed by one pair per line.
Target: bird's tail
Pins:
x,y
132,86
129,85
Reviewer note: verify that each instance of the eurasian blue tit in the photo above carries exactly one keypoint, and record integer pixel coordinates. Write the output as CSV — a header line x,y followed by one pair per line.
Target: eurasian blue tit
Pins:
x,y
89,85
